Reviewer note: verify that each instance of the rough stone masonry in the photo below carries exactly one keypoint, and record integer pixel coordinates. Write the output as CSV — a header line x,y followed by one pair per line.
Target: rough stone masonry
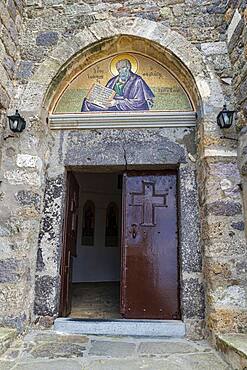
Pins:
x,y
39,39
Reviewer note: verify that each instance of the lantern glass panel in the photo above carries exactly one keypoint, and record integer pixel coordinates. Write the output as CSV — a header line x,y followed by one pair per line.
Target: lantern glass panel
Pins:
x,y
226,119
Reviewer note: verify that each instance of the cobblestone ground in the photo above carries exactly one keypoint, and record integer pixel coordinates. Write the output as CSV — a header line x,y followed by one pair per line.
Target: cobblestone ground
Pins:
x,y
48,350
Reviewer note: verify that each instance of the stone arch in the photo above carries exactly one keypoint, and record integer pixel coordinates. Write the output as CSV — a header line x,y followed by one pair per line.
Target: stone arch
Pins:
x,y
41,86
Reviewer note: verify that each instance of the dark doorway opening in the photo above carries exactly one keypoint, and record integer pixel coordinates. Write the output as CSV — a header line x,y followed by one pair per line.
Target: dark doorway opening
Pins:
x,y
95,259
120,255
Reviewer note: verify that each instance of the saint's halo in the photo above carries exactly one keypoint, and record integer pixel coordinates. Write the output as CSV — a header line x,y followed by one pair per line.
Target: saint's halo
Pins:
x,y
117,58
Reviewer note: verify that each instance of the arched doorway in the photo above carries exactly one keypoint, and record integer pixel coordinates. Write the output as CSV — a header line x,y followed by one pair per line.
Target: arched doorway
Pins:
x,y
137,149
142,88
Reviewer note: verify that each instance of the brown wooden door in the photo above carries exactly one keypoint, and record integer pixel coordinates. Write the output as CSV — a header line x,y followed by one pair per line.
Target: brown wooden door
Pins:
x,y
150,280
69,243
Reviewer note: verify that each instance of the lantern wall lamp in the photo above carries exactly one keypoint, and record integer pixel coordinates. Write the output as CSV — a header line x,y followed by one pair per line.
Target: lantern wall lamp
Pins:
x,y
16,122
225,117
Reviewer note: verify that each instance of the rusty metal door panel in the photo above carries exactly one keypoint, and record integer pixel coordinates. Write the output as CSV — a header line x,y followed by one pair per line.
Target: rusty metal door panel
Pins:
x,y
69,243
150,278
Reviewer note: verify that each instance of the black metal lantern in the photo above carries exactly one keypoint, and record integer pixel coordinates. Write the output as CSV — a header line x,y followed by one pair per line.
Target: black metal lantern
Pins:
x,y
16,122
225,117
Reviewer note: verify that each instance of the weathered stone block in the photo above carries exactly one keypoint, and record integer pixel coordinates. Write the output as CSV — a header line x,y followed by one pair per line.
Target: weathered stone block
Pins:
x,y
4,15
24,70
4,78
80,152
224,208
28,198
29,161
11,8
233,25
16,320
166,12
220,238
9,65
192,291
51,224
170,2
195,328
227,320
23,177
231,296
190,252
212,48
9,44
45,303
47,38
4,98
10,270
238,225
227,272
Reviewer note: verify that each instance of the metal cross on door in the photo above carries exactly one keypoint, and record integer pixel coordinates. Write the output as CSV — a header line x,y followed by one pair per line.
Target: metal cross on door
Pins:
x,y
148,200
150,279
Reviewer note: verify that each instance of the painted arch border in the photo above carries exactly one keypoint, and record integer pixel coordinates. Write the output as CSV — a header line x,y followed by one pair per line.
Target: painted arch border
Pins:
x,y
37,96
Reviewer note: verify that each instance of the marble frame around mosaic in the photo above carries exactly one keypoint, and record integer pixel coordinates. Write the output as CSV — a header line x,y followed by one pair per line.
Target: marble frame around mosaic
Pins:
x,y
132,54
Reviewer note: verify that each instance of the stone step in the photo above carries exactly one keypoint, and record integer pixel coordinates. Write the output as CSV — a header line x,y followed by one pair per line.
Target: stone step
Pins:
x,y
153,328
233,348
7,336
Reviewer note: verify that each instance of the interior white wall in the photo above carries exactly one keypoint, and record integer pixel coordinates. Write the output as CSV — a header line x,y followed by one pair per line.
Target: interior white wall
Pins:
x,y
97,263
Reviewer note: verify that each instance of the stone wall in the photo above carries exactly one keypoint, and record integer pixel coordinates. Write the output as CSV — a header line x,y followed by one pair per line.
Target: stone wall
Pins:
x,y
12,268
55,31
49,22
223,234
236,17
10,27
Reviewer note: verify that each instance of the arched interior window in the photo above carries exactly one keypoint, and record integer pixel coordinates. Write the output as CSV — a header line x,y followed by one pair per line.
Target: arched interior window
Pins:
x,y
88,223
112,226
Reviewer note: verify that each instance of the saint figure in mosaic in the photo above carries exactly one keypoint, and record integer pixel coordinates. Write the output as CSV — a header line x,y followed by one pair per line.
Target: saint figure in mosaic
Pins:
x,y
131,92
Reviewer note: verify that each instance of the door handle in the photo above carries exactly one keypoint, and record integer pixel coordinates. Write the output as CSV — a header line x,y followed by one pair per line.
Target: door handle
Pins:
x,y
133,230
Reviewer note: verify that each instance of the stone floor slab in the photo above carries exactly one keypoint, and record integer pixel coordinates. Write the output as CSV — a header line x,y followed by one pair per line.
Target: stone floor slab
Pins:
x,y
55,350
6,365
112,349
7,335
188,362
49,365
166,348
136,364
199,361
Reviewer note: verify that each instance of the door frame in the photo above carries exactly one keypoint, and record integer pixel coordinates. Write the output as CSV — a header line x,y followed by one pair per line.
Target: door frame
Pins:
x,y
133,171
66,255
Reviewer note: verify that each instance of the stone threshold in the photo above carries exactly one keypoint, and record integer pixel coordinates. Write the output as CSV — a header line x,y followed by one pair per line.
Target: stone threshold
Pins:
x,y
149,328
233,348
